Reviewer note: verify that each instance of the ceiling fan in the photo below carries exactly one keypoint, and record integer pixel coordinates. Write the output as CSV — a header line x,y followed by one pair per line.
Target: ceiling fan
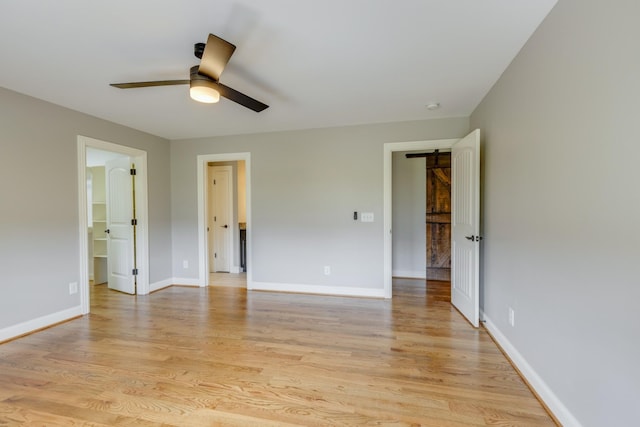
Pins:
x,y
204,79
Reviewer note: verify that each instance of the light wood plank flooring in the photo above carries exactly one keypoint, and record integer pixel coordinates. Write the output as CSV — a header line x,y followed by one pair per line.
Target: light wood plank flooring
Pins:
x,y
228,279
224,356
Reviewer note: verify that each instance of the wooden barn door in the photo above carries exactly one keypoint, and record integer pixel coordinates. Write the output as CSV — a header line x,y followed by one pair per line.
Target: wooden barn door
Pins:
x,y
438,216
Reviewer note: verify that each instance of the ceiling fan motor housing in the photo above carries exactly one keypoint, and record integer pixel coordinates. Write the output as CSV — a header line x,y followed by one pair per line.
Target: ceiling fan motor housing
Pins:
x,y
198,50
193,73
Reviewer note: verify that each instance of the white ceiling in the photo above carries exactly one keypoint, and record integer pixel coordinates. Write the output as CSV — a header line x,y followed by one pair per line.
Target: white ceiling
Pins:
x,y
315,63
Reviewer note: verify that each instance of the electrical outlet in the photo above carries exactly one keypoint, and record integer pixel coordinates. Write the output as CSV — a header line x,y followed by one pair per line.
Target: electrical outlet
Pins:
x,y
327,270
185,264
73,288
512,317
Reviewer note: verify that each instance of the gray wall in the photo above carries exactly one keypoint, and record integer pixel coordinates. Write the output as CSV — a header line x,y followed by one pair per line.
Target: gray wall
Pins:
x,y
409,207
561,207
305,187
39,253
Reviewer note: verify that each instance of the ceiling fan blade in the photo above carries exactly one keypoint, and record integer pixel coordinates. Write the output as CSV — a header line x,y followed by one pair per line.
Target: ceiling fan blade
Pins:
x,y
134,85
241,98
215,57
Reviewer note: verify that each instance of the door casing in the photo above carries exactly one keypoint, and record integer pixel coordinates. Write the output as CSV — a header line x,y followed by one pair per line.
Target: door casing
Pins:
x,y
203,161
139,157
389,148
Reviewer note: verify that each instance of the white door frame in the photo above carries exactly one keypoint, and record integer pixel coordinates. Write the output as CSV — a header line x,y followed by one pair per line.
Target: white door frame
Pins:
x,y
138,157
389,148
203,161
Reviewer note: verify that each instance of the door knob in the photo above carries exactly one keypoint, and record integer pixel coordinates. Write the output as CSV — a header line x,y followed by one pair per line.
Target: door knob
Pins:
x,y
225,226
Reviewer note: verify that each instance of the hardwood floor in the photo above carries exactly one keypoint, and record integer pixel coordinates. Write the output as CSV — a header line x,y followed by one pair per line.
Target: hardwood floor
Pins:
x,y
222,356
228,279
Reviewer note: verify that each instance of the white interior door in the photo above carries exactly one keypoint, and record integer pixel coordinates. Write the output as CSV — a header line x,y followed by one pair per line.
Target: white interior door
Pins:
x,y
120,239
465,225
220,213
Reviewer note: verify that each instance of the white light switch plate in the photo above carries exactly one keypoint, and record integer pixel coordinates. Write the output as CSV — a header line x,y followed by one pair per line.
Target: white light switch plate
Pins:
x,y
366,217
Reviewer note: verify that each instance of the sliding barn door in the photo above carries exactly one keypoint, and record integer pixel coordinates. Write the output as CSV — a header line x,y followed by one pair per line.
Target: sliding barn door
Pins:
x,y
438,216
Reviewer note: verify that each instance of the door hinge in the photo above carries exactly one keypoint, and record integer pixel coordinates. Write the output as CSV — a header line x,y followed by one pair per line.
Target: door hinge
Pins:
x,y
215,255
134,221
214,182
132,171
134,271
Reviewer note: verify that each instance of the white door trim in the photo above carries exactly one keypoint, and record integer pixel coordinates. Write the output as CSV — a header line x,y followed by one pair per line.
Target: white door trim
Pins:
x,y
138,157
389,148
203,260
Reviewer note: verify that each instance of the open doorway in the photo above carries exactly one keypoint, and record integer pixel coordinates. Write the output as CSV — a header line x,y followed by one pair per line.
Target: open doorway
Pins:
x,y
127,265
226,222
421,209
224,199
408,206
97,210
465,198
420,231
422,188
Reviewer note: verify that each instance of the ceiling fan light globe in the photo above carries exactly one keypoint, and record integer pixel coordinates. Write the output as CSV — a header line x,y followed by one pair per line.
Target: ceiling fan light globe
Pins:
x,y
203,93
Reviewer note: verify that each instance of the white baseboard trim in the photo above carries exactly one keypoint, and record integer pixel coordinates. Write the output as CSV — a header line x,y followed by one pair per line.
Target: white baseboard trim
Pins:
x,y
552,401
161,284
185,282
316,289
410,274
235,269
39,323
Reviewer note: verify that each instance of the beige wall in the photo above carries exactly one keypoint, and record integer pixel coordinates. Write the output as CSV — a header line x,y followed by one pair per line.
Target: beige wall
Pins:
x,y
561,205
